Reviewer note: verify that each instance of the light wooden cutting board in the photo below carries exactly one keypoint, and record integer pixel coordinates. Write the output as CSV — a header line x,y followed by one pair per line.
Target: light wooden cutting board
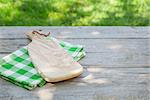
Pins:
x,y
52,61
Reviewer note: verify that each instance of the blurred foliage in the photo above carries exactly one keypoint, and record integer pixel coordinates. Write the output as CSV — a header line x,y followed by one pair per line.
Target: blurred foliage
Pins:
x,y
75,12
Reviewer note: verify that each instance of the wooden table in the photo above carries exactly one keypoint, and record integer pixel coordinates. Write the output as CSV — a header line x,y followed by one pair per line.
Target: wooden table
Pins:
x,y
116,67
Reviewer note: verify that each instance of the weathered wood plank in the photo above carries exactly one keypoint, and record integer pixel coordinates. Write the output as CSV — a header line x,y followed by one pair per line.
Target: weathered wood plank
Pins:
x,y
120,55
94,84
125,59
113,45
122,59
90,45
79,32
115,52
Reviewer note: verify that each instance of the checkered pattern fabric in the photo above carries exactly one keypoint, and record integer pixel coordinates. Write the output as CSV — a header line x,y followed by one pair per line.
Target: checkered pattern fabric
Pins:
x,y
18,68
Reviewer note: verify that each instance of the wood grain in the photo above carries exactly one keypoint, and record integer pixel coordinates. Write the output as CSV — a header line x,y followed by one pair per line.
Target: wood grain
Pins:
x,y
116,67
90,45
96,82
12,32
124,59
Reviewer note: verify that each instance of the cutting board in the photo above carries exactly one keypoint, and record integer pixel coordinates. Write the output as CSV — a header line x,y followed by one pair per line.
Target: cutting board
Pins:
x,y
50,60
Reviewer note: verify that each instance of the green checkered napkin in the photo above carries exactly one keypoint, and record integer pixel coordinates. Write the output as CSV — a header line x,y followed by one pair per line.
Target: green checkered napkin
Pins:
x,y
18,68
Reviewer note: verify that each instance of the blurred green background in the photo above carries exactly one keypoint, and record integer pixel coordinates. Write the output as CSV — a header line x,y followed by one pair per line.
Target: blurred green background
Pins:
x,y
75,12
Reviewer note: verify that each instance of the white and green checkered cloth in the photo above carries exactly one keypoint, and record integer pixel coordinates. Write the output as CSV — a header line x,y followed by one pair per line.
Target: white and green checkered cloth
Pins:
x,y
17,67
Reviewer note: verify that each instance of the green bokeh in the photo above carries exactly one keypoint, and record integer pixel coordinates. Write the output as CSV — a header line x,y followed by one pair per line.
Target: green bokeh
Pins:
x,y
75,12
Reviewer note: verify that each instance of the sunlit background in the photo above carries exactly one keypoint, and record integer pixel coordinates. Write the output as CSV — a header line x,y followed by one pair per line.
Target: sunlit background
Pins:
x,y
75,12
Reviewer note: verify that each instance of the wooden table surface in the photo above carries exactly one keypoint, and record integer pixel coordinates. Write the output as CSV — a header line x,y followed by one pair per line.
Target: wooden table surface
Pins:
x,y
116,67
